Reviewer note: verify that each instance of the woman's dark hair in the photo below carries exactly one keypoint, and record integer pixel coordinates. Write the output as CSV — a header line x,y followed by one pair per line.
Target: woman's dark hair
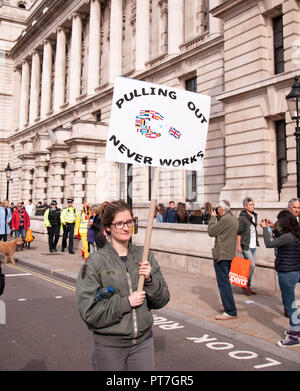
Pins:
x,y
208,206
181,211
161,208
197,213
102,207
288,223
111,209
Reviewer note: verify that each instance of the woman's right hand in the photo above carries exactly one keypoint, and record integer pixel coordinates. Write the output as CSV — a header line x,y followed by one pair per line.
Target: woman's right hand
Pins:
x,y
136,298
264,224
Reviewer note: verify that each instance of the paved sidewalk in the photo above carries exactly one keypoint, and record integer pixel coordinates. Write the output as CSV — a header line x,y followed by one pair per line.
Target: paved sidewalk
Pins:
x,y
260,316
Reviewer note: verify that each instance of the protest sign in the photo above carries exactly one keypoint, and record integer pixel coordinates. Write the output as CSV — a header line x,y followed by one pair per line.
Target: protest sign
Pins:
x,y
157,125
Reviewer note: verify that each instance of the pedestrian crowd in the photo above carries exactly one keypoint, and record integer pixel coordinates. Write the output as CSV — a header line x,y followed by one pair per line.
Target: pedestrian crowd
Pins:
x,y
15,220
109,299
85,224
239,236
179,214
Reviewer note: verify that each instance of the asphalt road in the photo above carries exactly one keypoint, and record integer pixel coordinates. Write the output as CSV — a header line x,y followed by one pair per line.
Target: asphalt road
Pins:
x,y
44,332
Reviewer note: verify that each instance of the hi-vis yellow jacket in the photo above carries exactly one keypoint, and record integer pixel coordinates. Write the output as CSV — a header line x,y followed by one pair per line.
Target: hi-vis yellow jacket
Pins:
x,y
82,221
68,215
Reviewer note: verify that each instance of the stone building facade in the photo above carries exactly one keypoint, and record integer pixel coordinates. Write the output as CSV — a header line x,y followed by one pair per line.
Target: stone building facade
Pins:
x,y
58,62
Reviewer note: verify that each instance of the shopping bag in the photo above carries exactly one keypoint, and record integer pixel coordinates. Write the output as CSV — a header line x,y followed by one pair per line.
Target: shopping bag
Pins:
x,y
239,271
28,237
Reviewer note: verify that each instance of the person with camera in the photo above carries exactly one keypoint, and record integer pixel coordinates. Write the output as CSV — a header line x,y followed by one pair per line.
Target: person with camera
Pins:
x,y
247,238
287,266
224,229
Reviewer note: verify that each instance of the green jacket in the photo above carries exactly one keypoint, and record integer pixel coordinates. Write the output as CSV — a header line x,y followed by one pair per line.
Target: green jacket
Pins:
x,y
113,321
225,231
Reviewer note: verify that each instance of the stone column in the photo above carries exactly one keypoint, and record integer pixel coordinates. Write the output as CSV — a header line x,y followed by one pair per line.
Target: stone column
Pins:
x,y
116,31
215,25
17,78
35,87
60,69
41,182
142,34
75,60
24,98
46,79
175,26
90,187
77,169
94,47
25,182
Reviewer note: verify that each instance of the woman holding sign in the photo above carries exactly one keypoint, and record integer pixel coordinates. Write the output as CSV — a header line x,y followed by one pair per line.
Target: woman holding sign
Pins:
x,y
110,304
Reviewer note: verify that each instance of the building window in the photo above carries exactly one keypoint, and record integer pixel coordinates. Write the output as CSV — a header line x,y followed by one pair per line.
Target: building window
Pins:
x,y
191,84
150,182
191,176
191,186
278,45
97,116
281,154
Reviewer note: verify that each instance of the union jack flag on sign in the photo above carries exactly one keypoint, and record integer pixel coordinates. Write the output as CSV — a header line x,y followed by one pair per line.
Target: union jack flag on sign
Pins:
x,y
175,133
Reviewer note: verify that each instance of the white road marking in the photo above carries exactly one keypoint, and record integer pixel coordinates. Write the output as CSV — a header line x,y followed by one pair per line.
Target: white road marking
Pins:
x,y
18,274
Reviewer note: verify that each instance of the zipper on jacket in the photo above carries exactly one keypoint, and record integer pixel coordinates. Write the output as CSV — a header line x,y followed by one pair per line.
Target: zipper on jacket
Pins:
x,y
134,317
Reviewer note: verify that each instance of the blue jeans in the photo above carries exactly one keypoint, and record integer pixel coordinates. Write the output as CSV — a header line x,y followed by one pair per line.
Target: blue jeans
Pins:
x,y
250,254
222,269
287,283
21,232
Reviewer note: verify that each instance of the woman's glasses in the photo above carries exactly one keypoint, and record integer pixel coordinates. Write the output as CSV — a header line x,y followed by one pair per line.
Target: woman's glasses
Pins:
x,y
120,224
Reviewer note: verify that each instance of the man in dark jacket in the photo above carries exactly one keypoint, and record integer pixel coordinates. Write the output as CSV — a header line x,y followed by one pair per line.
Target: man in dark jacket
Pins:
x,y
52,223
170,214
247,238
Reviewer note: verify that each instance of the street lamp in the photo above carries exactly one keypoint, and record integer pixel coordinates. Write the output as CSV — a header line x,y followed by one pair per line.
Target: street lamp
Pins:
x,y
293,101
8,171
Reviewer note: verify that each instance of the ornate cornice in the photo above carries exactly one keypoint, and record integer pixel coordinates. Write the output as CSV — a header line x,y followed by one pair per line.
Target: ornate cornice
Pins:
x,y
58,12
229,8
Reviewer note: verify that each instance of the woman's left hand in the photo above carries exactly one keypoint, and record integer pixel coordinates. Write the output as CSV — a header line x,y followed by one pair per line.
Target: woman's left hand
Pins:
x,y
145,270
264,224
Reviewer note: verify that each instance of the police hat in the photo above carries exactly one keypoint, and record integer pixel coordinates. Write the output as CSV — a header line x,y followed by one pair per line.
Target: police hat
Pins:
x,y
53,202
69,200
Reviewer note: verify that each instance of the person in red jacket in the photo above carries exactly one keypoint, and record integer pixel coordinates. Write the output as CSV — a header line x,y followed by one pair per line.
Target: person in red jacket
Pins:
x,y
20,221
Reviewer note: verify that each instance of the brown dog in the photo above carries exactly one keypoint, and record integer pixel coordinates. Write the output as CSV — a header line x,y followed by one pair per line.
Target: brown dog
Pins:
x,y
9,248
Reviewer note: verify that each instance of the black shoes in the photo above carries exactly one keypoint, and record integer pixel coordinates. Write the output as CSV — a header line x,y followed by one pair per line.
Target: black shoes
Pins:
x,y
71,252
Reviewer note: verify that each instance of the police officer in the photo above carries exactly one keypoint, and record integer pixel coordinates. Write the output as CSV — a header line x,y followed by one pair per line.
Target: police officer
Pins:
x,y
68,218
52,223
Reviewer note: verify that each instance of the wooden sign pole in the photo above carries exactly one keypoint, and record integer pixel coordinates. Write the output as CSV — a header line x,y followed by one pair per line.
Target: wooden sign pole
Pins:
x,y
149,223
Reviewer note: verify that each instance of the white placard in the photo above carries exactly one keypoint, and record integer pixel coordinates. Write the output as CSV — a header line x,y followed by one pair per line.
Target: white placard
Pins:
x,y
157,125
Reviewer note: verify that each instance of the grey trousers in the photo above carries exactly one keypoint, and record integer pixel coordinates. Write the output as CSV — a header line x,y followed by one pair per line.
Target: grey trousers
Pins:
x,y
136,358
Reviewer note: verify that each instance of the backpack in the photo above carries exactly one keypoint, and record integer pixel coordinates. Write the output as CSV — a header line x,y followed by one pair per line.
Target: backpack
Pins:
x,y
2,281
